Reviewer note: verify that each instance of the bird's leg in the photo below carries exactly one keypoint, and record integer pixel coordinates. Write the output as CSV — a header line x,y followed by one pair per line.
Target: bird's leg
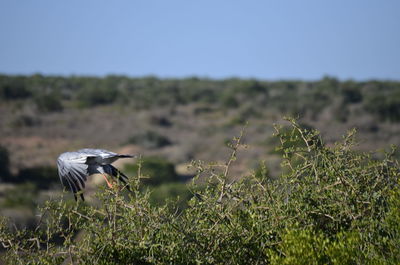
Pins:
x,y
108,183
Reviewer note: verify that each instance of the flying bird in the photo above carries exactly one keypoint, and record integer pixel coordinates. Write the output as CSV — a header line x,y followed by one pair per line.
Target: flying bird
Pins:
x,y
75,167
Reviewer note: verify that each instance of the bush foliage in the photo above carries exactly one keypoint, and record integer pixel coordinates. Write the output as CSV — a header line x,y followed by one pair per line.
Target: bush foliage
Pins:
x,y
331,205
54,93
150,139
154,171
4,163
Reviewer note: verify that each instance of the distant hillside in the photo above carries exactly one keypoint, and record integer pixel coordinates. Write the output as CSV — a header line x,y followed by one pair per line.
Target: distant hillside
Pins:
x,y
183,118
380,99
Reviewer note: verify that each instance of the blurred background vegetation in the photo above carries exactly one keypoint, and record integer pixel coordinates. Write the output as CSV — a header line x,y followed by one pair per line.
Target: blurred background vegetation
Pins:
x,y
172,122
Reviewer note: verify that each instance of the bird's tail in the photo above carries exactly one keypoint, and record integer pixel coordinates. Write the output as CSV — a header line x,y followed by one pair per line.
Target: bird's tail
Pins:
x,y
126,156
114,172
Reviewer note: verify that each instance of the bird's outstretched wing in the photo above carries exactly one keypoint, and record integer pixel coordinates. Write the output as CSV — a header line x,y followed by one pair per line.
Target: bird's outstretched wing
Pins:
x,y
73,171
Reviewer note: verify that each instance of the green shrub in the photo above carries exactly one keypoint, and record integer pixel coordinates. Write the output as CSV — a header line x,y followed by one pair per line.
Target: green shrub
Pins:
x,y
92,95
305,246
331,205
4,163
386,105
229,100
22,195
175,191
351,92
49,102
155,170
290,137
150,139
41,176
12,88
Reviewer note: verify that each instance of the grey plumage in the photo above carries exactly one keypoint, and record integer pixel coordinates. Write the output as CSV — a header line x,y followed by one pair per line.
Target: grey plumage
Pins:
x,y
75,167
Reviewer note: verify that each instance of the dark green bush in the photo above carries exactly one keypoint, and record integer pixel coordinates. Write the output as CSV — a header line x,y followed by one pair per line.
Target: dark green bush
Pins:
x,y
290,137
155,169
176,191
49,102
94,95
12,88
4,163
150,139
351,92
331,205
386,105
229,100
22,195
41,176
244,115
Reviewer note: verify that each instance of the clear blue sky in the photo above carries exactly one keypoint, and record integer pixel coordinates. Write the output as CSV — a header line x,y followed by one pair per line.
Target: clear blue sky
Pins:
x,y
285,39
